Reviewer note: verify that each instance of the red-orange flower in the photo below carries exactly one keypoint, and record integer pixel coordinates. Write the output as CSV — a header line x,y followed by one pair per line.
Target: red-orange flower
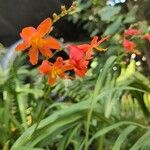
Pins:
x,y
78,60
88,48
35,40
55,70
147,36
96,42
80,55
132,32
93,45
130,46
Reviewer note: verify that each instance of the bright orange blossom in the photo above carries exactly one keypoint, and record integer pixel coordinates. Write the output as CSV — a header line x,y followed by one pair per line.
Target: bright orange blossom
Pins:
x,y
80,55
54,70
37,41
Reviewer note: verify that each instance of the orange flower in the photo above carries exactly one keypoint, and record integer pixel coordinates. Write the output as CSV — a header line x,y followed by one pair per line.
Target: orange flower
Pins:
x,y
88,48
35,40
147,36
80,55
130,47
94,44
132,32
78,60
54,70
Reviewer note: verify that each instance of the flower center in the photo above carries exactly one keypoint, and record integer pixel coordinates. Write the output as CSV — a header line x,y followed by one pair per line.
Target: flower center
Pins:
x,y
37,42
56,72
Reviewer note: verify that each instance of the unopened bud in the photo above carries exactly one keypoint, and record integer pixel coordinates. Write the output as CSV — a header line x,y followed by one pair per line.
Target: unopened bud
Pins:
x,y
63,11
55,17
73,6
63,8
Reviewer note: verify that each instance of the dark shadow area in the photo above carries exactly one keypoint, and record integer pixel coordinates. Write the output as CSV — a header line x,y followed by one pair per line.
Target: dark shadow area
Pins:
x,y
17,14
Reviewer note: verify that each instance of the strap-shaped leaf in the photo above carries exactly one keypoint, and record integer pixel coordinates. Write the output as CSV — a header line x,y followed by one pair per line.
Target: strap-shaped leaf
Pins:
x,y
112,127
141,141
122,137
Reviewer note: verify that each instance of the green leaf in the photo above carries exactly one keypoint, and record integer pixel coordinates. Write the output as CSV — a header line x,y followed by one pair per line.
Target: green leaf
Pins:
x,y
51,124
107,13
114,27
127,72
122,137
141,141
22,107
102,77
26,148
130,17
112,127
146,145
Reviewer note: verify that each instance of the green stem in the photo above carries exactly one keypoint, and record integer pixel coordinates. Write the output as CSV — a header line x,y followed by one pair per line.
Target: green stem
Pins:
x,y
101,140
6,110
100,143
46,92
93,102
47,89
89,116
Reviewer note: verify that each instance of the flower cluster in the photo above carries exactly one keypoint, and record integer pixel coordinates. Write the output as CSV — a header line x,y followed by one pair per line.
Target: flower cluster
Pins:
x,y
38,41
80,55
129,35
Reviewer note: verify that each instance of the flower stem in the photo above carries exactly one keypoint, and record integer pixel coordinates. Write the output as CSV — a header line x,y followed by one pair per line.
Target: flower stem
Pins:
x,y
89,117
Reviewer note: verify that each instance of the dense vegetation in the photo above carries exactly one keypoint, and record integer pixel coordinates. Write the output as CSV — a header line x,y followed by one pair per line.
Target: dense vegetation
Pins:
x,y
108,108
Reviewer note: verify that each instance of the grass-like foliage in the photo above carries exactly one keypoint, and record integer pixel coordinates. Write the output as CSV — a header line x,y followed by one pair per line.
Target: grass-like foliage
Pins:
x,y
108,111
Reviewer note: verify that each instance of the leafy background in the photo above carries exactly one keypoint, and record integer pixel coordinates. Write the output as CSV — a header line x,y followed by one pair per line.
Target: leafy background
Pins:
x,y
108,109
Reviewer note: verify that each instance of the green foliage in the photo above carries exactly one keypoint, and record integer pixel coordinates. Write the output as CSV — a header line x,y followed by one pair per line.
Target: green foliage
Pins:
x,y
64,122
108,109
109,13
99,18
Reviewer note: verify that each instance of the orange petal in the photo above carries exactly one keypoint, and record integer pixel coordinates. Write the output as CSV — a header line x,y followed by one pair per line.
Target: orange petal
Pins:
x,y
94,40
22,46
46,52
59,61
89,54
45,67
51,80
33,54
27,33
67,67
80,73
44,27
84,47
103,39
53,43
75,53
62,75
